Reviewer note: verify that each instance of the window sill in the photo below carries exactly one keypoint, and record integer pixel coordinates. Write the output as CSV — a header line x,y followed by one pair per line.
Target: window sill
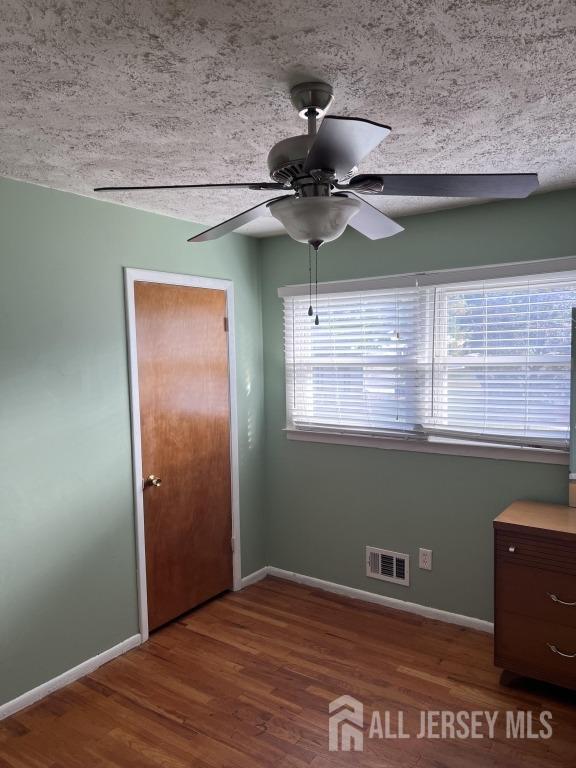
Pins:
x,y
448,447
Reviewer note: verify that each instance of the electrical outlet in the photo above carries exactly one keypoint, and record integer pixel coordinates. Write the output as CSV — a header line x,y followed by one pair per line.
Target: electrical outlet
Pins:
x,y
425,559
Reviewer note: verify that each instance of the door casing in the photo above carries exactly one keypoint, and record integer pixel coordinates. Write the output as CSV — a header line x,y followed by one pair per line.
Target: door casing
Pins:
x,y
167,278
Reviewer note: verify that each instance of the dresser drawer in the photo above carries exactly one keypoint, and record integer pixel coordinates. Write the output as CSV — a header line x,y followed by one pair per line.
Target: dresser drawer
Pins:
x,y
546,595
536,648
538,551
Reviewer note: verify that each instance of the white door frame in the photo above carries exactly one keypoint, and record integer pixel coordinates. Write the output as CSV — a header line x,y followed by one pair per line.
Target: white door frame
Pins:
x,y
167,278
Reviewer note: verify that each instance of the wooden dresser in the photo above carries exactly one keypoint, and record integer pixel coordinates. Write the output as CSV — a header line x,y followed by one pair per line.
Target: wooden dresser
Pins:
x,y
535,592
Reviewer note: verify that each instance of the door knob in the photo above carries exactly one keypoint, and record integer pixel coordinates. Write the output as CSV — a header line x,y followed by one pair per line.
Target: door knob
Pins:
x,y
154,481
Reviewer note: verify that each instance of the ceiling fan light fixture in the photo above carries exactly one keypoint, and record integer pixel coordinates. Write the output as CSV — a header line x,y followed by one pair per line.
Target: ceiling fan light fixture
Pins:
x,y
315,219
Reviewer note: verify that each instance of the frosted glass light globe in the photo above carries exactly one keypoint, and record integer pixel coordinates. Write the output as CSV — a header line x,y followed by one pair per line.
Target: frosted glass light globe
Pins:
x,y
315,219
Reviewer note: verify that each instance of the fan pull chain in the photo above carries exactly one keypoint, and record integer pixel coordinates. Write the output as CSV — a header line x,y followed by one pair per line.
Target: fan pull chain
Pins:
x,y
317,320
310,310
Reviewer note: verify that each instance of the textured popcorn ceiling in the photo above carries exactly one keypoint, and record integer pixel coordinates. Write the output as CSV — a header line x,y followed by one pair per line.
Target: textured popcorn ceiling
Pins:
x,y
152,91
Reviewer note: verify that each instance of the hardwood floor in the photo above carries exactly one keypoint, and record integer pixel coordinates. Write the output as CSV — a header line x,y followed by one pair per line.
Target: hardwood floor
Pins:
x,y
245,681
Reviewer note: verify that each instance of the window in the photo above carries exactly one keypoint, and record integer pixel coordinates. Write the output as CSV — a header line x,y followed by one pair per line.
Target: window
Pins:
x,y
362,368
434,357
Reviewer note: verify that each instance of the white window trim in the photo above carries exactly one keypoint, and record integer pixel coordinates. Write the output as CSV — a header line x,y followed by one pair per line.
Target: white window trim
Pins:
x,y
438,276
447,447
432,444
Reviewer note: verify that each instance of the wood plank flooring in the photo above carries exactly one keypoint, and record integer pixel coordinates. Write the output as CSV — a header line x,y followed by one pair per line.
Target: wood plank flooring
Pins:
x,y
245,681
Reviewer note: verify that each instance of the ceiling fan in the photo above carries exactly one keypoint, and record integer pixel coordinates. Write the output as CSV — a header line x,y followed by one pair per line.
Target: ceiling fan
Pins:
x,y
320,169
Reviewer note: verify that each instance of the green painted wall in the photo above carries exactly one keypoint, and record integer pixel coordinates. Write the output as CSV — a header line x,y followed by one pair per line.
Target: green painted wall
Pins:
x,y
324,503
67,559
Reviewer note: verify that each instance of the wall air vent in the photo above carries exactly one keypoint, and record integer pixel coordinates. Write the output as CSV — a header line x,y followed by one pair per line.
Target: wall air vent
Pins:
x,y
388,566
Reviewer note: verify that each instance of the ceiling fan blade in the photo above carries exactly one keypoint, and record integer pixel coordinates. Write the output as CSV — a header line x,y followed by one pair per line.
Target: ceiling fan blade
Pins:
x,y
485,185
249,185
371,222
342,143
235,222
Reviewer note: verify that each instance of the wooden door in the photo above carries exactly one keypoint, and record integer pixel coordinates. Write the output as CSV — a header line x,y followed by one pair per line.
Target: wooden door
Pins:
x,y
182,348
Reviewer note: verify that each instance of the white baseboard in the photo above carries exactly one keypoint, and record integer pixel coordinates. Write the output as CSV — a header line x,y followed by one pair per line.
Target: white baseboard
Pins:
x,y
70,676
256,576
389,602
30,697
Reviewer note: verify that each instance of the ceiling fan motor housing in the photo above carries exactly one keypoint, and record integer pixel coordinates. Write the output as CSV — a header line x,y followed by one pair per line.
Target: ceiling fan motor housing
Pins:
x,y
286,159
286,163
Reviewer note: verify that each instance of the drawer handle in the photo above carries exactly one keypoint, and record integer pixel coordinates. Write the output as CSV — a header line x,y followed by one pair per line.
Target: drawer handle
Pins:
x,y
512,548
556,599
565,655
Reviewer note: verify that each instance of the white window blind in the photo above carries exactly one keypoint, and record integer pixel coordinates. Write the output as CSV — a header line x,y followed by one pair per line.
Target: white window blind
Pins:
x,y
481,361
502,359
361,368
